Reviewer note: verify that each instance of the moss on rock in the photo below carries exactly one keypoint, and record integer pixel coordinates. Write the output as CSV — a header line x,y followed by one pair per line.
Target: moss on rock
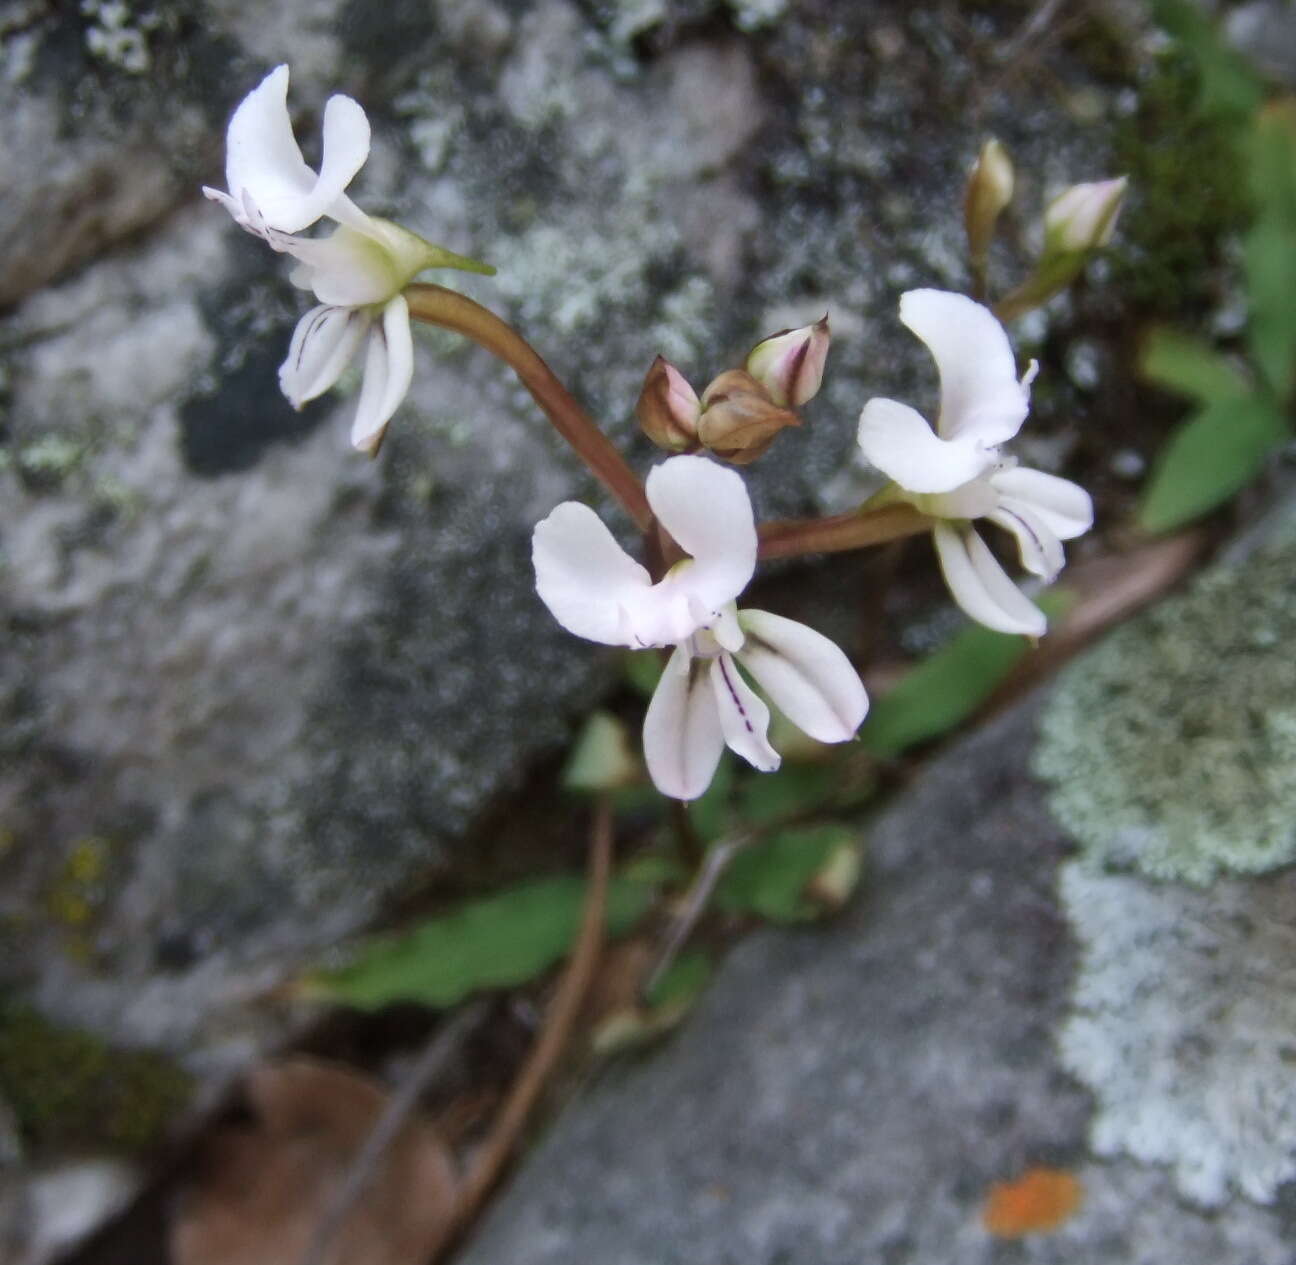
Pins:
x,y
68,1088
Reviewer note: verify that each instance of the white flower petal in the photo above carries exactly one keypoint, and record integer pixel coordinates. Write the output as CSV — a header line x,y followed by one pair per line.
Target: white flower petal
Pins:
x,y
1065,506
980,394
980,586
897,440
744,719
1040,549
346,268
389,367
345,149
264,168
806,676
682,737
706,509
322,346
583,576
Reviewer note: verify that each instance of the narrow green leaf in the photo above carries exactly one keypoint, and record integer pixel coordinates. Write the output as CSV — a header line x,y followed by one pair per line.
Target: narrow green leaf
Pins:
x,y
1190,366
493,942
770,878
1269,256
1229,84
948,686
682,982
1213,454
711,815
791,792
1272,161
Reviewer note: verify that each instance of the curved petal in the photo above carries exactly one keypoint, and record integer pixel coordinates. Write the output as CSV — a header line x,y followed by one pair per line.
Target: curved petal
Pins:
x,y
389,367
705,507
980,586
322,346
682,737
806,676
345,148
583,576
897,440
262,158
744,719
1039,548
1064,506
980,394
264,166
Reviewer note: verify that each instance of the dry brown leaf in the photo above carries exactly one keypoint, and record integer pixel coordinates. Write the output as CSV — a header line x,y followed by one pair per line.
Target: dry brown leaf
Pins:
x,y
264,1188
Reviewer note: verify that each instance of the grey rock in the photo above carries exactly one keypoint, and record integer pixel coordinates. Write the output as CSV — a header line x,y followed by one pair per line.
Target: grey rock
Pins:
x,y
253,686
849,1093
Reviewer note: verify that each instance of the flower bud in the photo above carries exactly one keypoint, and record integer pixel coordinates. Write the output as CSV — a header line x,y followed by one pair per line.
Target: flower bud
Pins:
x,y
1084,216
739,419
668,408
790,364
989,190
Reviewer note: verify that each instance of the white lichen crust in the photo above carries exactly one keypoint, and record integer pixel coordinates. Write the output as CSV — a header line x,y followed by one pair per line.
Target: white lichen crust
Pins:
x,y
1184,1026
1172,746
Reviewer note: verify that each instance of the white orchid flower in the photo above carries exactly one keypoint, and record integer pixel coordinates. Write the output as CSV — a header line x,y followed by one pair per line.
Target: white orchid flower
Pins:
x,y
702,702
956,474
357,273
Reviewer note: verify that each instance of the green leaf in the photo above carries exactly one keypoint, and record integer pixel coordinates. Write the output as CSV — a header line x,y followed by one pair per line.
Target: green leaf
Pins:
x,y
1190,366
1272,161
643,669
1269,256
493,942
711,815
681,983
948,686
1229,85
770,878
1213,454
601,759
794,790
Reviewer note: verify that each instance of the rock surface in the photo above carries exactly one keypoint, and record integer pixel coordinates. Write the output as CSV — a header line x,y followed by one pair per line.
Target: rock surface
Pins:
x,y
850,1093
254,685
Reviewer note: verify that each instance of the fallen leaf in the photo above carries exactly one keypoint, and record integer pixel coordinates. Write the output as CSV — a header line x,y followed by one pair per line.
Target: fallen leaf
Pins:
x,y
264,1188
1037,1202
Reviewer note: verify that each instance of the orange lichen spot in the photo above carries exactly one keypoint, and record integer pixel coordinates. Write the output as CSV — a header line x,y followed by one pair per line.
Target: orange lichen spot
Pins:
x,y
1037,1202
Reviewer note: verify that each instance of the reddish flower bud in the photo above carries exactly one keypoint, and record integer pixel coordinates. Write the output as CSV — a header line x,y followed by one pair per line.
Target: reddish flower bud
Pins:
x,y
739,419
790,364
668,408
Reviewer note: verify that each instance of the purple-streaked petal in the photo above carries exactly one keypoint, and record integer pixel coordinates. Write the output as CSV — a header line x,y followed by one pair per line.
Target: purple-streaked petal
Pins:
x,y
980,586
389,367
682,736
806,676
706,509
981,397
744,719
1040,549
583,576
322,346
1064,506
897,440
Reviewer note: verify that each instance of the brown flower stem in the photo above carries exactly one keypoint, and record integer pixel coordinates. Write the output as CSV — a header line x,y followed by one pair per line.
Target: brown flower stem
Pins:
x,y
791,537
507,1127
436,305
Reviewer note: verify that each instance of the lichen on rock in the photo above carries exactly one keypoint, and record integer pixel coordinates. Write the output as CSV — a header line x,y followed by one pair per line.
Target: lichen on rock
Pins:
x,y
1183,1025
1171,747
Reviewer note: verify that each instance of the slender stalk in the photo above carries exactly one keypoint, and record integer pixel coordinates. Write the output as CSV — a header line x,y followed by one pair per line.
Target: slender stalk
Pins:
x,y
790,537
508,1125
436,305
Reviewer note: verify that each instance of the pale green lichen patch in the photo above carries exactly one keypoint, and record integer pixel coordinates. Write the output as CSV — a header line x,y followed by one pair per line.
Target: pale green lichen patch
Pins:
x,y
1171,747
1184,1026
